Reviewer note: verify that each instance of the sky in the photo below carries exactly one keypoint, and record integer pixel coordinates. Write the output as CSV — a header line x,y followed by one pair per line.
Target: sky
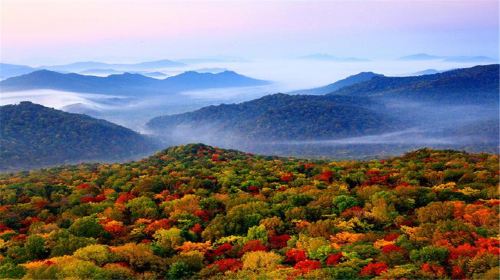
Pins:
x,y
38,32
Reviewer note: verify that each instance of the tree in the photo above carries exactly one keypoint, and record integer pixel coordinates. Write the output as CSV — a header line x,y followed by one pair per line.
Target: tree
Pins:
x,y
139,256
35,247
65,243
142,207
434,212
342,202
240,218
430,254
178,270
260,260
257,233
168,239
374,269
87,227
99,254
9,270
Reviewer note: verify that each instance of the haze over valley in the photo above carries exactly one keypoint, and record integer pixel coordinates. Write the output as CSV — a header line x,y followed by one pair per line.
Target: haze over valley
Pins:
x,y
286,79
365,115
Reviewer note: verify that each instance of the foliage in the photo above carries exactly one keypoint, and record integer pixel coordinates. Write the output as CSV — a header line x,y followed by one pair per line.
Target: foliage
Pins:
x,y
180,214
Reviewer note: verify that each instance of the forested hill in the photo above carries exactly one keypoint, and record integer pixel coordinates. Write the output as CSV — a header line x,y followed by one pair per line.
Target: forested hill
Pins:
x,y
199,212
32,136
280,117
479,84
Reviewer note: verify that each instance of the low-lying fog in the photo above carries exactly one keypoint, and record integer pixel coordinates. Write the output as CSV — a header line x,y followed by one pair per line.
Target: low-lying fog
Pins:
x,y
287,75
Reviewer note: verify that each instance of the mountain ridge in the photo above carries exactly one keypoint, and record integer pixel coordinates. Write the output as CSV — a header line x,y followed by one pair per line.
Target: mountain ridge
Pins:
x,y
126,83
281,117
348,81
36,136
458,85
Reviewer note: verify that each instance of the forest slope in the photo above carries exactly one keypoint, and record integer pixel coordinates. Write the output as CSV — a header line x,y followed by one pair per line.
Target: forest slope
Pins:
x,y
32,136
196,211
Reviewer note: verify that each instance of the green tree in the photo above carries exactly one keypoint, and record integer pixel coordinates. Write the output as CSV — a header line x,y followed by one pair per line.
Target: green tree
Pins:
x,y
35,247
99,254
87,227
342,202
9,270
142,207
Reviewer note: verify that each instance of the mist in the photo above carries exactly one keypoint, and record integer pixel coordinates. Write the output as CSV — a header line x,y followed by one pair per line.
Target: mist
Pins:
x,y
425,124
473,128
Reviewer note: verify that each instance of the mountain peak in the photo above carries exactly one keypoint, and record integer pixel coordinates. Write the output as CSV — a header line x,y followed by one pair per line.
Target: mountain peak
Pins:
x,y
420,56
475,84
127,83
351,80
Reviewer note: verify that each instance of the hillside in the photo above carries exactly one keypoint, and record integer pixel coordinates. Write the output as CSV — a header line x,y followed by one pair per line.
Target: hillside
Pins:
x,y
126,83
34,136
351,80
479,84
12,70
199,212
278,117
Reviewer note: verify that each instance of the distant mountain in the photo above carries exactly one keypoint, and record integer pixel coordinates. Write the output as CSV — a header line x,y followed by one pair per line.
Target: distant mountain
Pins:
x,y
98,72
424,56
276,117
476,59
195,80
107,72
155,74
420,56
84,65
327,57
127,83
479,84
165,63
351,80
32,135
80,108
211,70
212,59
12,70
426,72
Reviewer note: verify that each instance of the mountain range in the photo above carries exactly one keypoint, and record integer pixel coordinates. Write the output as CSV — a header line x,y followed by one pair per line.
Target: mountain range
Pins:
x,y
84,65
127,83
351,80
12,70
425,56
34,136
436,109
368,114
479,84
89,67
426,72
328,57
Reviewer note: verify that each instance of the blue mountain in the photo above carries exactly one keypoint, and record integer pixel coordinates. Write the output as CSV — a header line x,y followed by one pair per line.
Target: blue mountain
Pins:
x,y
351,80
479,84
84,65
127,83
12,70
328,57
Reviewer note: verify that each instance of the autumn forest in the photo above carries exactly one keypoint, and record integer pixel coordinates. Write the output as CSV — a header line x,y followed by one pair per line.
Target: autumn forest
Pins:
x,y
199,212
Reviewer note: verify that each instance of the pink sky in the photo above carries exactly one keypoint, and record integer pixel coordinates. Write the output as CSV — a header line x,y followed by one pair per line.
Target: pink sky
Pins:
x,y
62,30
